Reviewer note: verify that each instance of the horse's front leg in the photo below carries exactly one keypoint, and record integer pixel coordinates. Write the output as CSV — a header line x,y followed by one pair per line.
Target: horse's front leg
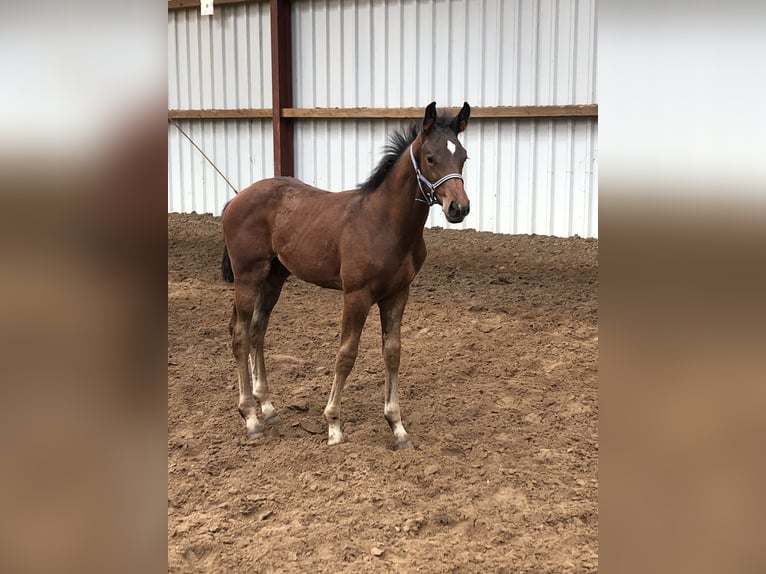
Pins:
x,y
356,306
391,311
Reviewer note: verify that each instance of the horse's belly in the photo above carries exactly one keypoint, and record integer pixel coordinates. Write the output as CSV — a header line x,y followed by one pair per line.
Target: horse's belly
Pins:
x,y
312,271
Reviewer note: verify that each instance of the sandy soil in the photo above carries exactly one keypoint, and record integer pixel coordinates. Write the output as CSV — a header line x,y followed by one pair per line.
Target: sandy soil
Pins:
x,y
498,391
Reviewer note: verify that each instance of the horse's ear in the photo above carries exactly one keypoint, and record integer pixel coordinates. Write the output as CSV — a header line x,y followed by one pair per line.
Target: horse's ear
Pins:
x,y
429,118
461,120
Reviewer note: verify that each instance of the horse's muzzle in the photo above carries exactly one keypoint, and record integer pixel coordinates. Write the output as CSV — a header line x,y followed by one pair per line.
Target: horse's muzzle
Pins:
x,y
456,212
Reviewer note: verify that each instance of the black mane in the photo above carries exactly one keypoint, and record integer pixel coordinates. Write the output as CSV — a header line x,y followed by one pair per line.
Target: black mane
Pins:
x,y
398,142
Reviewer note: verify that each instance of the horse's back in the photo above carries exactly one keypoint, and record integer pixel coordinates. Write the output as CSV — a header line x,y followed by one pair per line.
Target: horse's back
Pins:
x,y
286,217
261,200
262,193
280,188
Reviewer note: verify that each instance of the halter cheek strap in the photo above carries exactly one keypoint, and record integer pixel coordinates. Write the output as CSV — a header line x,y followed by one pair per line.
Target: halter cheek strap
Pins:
x,y
429,197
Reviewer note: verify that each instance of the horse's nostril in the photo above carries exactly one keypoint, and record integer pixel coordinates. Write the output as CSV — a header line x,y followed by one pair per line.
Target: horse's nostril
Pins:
x,y
454,208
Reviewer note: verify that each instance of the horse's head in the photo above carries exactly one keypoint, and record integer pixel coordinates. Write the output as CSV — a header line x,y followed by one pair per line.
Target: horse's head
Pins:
x,y
440,162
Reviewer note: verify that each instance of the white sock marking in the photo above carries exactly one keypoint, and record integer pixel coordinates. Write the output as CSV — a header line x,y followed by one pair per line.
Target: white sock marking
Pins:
x,y
335,435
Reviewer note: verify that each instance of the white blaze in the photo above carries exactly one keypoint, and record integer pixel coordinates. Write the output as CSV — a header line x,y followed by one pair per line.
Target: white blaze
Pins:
x,y
451,146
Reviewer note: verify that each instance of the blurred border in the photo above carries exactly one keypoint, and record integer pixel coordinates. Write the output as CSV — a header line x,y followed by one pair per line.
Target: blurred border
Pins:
x,y
682,278
83,305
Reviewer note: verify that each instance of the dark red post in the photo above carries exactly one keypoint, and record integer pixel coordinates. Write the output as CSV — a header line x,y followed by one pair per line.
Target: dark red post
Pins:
x,y
282,86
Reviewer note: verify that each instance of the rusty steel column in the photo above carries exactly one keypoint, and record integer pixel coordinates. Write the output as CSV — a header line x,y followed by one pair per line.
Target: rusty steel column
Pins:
x,y
282,85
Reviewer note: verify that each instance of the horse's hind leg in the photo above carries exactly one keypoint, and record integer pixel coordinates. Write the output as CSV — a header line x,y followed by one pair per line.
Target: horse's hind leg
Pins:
x,y
272,287
248,295
391,311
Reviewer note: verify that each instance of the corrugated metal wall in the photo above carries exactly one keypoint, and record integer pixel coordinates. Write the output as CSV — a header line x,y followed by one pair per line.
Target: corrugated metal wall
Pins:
x,y
218,62
242,150
401,53
524,176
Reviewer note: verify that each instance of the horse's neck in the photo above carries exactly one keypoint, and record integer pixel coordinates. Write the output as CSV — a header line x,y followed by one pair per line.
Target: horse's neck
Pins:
x,y
398,195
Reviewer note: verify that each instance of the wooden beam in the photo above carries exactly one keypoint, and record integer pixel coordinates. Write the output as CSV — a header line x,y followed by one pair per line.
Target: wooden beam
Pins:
x,y
183,4
219,114
562,111
282,86
350,113
580,110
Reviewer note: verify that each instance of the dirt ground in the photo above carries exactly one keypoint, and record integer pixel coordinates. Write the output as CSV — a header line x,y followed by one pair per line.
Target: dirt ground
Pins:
x,y
498,389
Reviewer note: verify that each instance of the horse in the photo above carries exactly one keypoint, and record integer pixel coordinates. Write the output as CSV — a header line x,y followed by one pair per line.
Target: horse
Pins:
x,y
366,242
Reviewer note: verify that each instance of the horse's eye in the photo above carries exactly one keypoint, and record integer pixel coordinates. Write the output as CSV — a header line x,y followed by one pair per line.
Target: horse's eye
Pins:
x,y
429,159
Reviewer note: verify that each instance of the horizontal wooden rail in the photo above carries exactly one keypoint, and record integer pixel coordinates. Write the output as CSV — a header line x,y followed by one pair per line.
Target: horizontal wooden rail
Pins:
x,y
494,112
564,111
477,112
220,114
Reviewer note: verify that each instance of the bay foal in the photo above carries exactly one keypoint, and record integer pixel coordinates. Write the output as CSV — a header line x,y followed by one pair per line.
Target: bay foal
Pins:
x,y
367,243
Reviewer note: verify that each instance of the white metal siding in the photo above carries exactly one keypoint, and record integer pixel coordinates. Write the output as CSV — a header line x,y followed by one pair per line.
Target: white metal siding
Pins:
x,y
524,176
221,61
218,62
400,53
241,149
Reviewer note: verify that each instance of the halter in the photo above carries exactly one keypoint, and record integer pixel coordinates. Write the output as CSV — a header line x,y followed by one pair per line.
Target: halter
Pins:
x,y
429,197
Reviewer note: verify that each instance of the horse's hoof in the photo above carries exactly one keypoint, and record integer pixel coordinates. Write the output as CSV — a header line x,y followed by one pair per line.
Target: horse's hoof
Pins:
x,y
255,431
272,420
405,445
255,434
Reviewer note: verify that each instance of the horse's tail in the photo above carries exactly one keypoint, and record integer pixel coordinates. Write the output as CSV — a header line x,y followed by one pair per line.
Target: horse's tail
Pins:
x,y
226,271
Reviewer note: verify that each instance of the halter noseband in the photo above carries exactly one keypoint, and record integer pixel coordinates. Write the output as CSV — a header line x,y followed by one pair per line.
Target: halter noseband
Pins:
x,y
429,197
